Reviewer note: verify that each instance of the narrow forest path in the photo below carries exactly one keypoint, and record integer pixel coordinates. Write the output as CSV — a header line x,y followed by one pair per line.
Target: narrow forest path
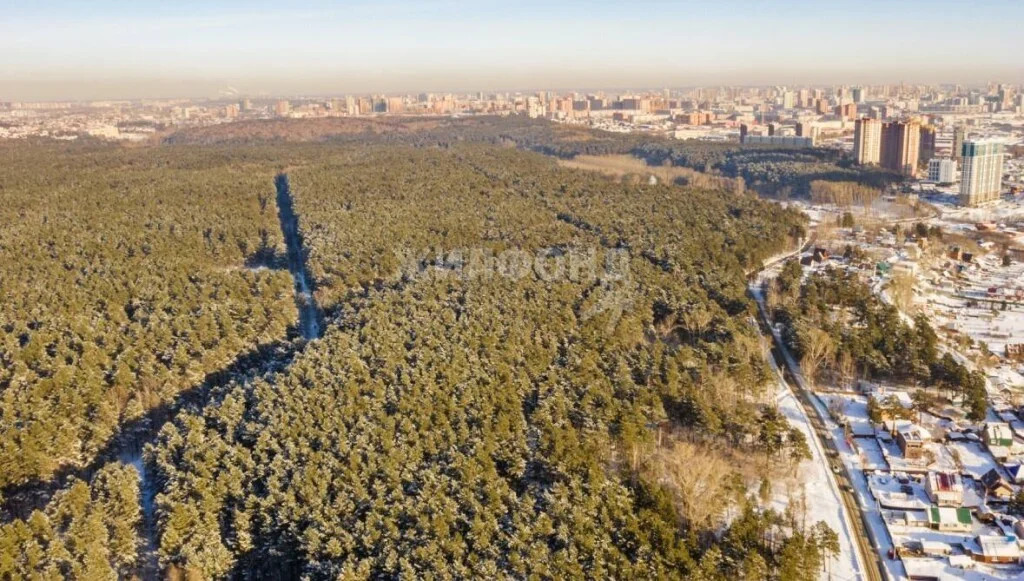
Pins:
x,y
128,446
149,563
309,313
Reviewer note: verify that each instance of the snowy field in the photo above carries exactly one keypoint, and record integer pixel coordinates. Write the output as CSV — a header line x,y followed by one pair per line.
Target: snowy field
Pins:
x,y
871,455
1004,211
975,459
984,321
852,408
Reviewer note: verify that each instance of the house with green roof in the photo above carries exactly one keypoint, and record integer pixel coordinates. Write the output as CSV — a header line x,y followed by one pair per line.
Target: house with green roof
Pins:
x,y
948,518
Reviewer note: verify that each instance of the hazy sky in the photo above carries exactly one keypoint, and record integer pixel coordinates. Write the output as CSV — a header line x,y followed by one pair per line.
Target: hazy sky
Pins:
x,y
107,48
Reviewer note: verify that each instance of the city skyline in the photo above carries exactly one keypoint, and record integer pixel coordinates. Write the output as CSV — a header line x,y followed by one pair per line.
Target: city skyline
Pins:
x,y
116,50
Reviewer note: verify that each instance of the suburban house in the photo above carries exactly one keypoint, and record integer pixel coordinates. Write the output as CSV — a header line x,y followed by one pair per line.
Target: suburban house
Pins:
x,y
945,488
998,437
950,519
1016,472
911,441
995,549
998,434
996,486
936,548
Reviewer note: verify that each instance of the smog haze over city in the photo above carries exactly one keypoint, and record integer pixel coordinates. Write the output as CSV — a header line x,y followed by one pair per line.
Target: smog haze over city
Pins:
x,y
719,290
113,49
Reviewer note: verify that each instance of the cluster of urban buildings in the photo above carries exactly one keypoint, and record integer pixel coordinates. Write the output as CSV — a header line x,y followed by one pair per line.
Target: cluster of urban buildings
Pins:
x,y
903,146
916,130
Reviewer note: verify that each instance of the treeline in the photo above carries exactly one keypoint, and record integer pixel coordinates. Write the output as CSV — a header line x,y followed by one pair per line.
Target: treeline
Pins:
x,y
843,194
769,170
835,324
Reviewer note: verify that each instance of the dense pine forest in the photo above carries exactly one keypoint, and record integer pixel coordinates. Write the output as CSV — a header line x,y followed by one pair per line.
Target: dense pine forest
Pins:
x,y
525,371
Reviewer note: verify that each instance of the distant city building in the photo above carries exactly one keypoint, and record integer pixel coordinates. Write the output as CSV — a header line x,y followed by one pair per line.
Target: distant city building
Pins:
x,y
857,93
636,104
535,107
282,108
927,149
900,151
867,141
784,140
981,179
808,130
804,97
942,171
959,134
847,111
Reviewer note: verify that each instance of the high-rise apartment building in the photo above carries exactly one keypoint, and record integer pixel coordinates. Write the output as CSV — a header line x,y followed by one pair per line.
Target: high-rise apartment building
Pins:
x,y
282,108
982,177
901,143
927,143
959,134
808,130
857,93
942,170
395,104
867,139
846,111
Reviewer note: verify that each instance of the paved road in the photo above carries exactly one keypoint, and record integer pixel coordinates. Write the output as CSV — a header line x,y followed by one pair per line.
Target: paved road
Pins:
x,y
867,550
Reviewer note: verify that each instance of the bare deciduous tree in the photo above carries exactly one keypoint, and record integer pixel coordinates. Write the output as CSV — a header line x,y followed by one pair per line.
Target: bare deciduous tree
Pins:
x,y
818,349
901,288
847,369
697,478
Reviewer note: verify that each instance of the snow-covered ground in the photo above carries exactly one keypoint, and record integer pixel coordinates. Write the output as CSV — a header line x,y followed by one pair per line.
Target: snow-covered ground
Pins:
x,y
892,493
965,304
820,488
975,459
853,408
871,456
1004,211
874,464
823,497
